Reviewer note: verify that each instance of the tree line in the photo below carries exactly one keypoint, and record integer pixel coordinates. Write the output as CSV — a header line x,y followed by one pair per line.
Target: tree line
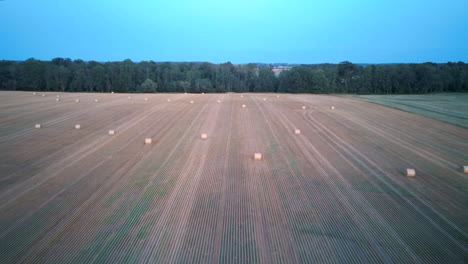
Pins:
x,y
149,77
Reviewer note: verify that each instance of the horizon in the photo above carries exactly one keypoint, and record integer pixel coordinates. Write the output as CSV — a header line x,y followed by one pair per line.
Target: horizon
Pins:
x,y
257,63
294,32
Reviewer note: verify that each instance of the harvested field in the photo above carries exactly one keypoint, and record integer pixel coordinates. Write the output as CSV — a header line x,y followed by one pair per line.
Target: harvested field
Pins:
x,y
335,193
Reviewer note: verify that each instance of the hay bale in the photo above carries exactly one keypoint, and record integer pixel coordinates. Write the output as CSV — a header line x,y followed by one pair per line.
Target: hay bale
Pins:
x,y
148,140
192,102
34,93
146,98
277,96
244,106
258,156
332,108
112,92
204,136
57,99
77,126
410,172
242,96
297,131
77,100
42,95
264,99
465,169
58,96
219,101
185,93
168,100
129,97
304,107
37,126
111,132
202,93
96,100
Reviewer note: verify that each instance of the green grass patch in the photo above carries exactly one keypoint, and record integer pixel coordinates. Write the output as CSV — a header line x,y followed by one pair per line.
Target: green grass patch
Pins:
x,y
448,108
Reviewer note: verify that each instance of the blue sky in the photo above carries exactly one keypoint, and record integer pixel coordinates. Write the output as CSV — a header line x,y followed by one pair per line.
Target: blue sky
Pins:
x,y
241,31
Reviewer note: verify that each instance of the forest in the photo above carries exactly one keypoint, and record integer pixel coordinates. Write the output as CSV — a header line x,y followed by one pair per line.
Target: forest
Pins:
x,y
68,75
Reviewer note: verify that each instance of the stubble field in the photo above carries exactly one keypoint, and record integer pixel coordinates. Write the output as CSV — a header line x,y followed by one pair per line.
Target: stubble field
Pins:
x,y
335,193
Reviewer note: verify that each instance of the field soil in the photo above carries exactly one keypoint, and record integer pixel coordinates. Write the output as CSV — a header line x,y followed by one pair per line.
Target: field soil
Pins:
x,y
335,193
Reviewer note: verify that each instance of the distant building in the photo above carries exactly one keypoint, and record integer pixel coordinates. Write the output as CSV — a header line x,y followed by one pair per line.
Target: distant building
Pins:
x,y
279,69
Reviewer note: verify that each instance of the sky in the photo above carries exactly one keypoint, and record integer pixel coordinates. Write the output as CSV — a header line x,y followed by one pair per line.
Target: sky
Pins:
x,y
239,31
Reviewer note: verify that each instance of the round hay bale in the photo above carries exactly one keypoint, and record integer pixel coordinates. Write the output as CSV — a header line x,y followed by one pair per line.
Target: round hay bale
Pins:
x,y
77,100
42,95
168,100
58,96
192,102
244,106
465,169
219,101
185,93
277,96
112,92
111,132
242,96
332,108
146,98
37,126
297,131
96,100
202,93
77,126
148,140
204,136
304,107
410,172
57,99
129,97
34,93
258,156
264,99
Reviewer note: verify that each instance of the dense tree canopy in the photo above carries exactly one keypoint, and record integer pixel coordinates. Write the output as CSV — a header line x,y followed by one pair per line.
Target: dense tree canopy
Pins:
x,y
126,76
